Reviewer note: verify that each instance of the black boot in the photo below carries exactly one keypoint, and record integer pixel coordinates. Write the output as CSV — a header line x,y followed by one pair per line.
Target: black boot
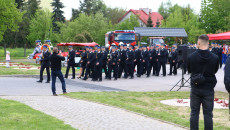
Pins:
x,y
39,81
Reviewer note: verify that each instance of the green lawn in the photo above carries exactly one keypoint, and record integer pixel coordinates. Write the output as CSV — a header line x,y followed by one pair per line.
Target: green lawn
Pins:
x,y
148,103
11,71
17,116
16,52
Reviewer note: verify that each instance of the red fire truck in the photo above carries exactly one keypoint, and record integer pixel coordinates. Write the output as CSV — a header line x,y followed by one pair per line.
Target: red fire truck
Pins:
x,y
125,36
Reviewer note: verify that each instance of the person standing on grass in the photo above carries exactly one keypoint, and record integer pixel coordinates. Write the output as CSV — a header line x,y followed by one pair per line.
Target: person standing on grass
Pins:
x,y
203,65
55,61
7,59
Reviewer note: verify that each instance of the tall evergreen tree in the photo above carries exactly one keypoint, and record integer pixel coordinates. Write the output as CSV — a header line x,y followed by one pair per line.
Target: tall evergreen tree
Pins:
x,y
57,14
149,22
75,14
19,3
32,6
90,7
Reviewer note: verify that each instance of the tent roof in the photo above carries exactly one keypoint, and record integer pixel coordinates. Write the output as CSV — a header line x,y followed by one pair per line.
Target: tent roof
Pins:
x,y
161,32
219,36
77,44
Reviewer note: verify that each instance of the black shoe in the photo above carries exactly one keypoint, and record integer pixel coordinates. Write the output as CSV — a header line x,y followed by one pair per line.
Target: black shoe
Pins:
x,y
84,78
55,95
131,78
169,74
115,79
39,81
175,74
100,80
66,77
108,78
124,77
153,74
147,76
72,78
47,81
164,75
157,75
93,80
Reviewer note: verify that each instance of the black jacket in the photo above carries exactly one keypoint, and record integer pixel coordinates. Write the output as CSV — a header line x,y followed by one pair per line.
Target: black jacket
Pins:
x,y
55,61
130,57
227,75
71,57
45,59
122,55
137,54
145,56
99,58
174,57
113,58
199,60
105,59
162,55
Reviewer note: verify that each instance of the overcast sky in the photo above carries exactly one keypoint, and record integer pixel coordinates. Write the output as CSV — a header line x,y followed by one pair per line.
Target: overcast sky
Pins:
x,y
132,4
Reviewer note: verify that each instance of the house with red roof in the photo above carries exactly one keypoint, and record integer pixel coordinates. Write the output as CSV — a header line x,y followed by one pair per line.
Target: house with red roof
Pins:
x,y
143,15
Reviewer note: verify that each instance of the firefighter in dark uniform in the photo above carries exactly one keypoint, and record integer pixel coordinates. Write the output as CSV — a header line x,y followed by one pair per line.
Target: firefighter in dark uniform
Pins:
x,y
104,61
83,62
129,61
89,64
220,54
137,62
98,65
45,64
173,62
71,62
144,60
152,61
122,61
162,54
112,65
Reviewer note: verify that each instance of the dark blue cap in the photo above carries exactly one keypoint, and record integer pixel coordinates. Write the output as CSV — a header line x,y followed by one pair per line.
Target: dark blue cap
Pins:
x,y
162,44
70,46
125,45
45,46
103,47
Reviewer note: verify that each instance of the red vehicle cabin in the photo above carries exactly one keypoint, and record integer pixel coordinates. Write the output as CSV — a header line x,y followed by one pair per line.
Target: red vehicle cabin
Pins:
x,y
125,36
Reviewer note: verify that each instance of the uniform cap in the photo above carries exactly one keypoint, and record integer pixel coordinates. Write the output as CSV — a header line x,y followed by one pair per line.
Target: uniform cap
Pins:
x,y
70,46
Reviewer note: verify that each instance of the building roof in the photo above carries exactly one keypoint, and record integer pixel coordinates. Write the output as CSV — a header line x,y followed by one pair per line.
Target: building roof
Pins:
x,y
143,16
161,32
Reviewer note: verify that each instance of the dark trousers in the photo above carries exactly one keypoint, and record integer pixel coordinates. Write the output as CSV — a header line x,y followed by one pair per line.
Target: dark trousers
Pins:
x,y
173,68
83,70
54,74
104,67
207,102
149,68
114,69
154,67
67,71
130,70
144,67
87,70
47,71
163,65
122,67
138,64
97,72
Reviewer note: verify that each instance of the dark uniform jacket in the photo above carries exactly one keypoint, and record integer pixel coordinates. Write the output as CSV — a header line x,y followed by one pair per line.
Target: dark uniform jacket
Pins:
x,y
71,57
145,56
45,59
99,58
162,54
91,58
137,54
55,60
122,55
113,58
105,59
130,57
227,75
174,57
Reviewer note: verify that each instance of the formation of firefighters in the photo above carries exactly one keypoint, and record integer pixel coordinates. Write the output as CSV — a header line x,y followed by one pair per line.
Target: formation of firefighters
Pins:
x,y
123,61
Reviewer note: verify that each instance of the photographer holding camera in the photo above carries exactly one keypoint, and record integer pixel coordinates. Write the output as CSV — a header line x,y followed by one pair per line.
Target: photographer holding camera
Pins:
x,y
203,65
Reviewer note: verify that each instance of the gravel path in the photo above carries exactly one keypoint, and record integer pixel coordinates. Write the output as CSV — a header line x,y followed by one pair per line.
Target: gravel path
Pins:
x,y
85,115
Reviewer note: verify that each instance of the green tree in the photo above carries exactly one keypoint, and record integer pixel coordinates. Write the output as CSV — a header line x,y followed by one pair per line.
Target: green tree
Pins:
x,y
128,24
215,15
75,14
20,3
149,22
10,16
165,9
96,25
91,7
187,19
114,14
57,14
157,23
31,7
40,26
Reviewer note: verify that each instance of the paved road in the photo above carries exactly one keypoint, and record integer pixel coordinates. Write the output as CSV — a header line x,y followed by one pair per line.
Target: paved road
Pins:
x,y
28,85
85,115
